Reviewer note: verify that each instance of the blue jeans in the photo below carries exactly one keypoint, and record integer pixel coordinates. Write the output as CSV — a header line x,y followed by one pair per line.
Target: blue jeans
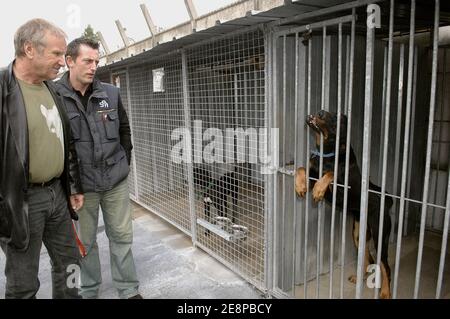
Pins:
x,y
115,205
50,223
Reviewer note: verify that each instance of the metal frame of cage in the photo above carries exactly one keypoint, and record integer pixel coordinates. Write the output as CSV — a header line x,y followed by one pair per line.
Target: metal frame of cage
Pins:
x,y
195,89
270,272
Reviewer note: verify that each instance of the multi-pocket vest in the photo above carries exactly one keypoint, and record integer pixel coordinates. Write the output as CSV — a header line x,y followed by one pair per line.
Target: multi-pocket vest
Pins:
x,y
95,132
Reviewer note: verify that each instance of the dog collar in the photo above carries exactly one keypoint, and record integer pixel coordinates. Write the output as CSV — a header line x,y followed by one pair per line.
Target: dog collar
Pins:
x,y
316,153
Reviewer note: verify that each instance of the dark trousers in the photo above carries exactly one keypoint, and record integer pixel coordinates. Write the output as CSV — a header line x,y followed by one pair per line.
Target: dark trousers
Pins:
x,y
50,223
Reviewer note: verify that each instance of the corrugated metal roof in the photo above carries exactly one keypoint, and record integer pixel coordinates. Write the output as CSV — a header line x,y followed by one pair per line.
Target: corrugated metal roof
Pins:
x,y
279,15
224,28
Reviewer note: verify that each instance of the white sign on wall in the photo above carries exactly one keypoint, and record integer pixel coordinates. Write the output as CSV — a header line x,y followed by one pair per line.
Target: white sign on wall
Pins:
x,y
158,80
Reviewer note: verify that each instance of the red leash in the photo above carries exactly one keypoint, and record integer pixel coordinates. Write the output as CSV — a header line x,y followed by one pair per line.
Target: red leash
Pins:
x,y
80,245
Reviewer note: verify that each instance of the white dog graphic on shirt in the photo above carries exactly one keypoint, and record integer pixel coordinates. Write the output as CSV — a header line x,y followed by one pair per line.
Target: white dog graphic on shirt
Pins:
x,y
53,121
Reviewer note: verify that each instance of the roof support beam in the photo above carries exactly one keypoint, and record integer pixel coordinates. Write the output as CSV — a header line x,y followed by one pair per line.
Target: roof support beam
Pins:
x,y
148,19
103,42
192,13
123,35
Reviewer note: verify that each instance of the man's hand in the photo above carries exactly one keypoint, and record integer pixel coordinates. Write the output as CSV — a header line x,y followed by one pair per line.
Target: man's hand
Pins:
x,y
76,201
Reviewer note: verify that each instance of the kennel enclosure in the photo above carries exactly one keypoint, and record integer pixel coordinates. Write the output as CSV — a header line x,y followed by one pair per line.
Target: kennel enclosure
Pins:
x,y
270,70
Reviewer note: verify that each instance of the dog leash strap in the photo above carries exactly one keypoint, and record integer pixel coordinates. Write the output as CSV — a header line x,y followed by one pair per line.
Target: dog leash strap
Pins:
x,y
80,245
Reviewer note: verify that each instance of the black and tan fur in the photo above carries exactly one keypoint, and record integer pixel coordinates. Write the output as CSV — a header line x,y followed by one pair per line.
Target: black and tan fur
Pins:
x,y
325,123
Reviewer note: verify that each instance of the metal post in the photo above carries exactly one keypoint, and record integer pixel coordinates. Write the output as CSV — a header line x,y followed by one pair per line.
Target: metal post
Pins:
x,y
411,149
398,135
283,178
441,117
269,227
383,110
190,171
305,251
347,151
405,146
336,158
429,146
130,117
321,207
444,241
365,159
275,177
386,136
295,159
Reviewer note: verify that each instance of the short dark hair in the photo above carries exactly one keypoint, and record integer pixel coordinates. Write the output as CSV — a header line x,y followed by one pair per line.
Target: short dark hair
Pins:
x,y
73,48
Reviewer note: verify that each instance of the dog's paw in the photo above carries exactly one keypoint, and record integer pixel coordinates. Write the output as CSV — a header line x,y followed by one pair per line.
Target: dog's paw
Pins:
x,y
319,192
352,279
300,182
385,294
301,191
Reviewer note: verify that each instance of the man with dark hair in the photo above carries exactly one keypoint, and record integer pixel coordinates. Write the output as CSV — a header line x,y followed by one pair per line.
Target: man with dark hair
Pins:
x,y
102,136
39,180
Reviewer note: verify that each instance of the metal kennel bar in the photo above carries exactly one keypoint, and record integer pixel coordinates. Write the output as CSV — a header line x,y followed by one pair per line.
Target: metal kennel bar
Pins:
x,y
429,146
190,170
321,207
365,169
398,132
336,160
308,131
436,181
405,147
296,112
387,103
351,56
444,243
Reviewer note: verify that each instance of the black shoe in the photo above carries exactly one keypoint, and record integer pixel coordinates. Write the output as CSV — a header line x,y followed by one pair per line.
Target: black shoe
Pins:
x,y
138,296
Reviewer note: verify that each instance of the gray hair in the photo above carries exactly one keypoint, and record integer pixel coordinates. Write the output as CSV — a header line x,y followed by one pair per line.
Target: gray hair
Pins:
x,y
34,32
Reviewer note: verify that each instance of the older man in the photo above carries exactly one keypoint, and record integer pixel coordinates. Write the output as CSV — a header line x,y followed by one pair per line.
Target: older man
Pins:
x,y
39,181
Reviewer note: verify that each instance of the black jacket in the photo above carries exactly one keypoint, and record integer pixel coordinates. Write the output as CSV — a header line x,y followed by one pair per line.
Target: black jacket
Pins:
x,y
101,134
14,159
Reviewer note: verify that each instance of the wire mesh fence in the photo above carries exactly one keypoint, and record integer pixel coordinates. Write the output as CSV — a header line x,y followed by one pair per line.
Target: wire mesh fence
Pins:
x,y
226,88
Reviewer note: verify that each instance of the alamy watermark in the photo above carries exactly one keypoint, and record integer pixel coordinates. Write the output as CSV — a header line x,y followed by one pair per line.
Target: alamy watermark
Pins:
x,y
73,279
73,16
373,16
232,145
374,278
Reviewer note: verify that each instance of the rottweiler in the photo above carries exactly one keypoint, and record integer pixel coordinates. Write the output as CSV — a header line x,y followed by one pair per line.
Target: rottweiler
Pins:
x,y
325,123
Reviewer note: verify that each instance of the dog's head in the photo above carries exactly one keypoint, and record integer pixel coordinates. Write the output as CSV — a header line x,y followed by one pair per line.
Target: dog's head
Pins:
x,y
326,123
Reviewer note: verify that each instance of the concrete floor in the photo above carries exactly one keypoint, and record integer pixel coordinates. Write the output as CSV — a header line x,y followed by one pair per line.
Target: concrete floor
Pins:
x,y
169,267
167,264
407,272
